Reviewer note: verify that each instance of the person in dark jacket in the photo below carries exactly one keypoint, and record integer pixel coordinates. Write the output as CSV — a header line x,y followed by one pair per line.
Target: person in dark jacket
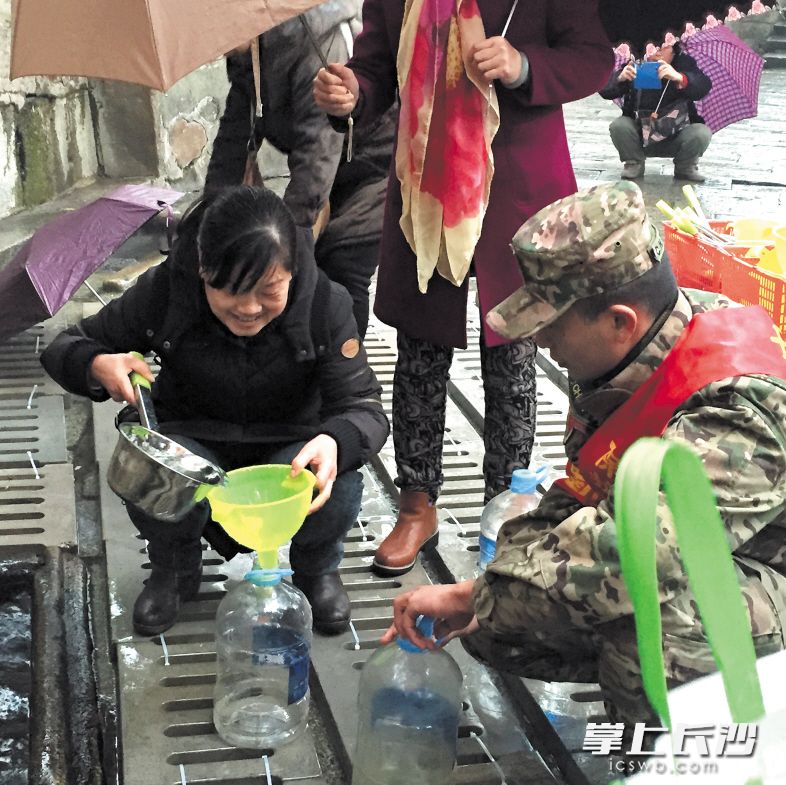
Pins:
x,y
322,181
290,121
348,248
679,133
261,362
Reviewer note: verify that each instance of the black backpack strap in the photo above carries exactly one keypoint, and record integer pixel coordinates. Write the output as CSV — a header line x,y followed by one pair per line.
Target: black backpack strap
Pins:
x,y
320,315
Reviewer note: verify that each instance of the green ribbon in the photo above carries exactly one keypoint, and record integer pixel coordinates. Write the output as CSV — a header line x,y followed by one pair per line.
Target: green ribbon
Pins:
x,y
706,557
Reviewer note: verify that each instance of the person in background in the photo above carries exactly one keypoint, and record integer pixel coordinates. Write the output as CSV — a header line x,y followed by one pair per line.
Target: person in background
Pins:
x,y
551,53
661,122
261,363
602,298
343,200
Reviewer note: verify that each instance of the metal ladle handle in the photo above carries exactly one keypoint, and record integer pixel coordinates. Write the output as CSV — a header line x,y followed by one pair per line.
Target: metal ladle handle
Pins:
x,y
143,397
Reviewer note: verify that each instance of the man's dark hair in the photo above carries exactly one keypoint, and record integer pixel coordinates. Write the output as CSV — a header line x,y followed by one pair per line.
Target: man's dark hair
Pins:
x,y
240,232
653,291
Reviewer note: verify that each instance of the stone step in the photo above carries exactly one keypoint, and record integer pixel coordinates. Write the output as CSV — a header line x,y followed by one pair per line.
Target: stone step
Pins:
x,y
775,60
776,43
17,229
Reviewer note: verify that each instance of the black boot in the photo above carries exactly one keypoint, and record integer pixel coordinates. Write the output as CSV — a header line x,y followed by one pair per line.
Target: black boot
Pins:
x,y
188,582
329,601
175,576
188,563
156,608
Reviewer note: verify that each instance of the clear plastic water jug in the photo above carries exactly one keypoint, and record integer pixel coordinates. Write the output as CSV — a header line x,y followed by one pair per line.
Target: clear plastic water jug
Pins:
x,y
520,498
263,639
408,712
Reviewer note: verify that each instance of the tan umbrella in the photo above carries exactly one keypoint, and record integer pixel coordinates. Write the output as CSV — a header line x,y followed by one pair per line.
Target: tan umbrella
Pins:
x,y
147,42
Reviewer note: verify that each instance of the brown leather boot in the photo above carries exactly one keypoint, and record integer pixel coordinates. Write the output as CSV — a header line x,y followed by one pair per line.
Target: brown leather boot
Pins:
x,y
415,530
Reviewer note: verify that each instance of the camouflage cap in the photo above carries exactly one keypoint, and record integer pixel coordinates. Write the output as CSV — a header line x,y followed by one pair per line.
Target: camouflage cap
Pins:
x,y
584,244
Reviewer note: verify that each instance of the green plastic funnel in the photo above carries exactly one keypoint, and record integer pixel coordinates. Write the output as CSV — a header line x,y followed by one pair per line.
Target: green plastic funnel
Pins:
x,y
262,507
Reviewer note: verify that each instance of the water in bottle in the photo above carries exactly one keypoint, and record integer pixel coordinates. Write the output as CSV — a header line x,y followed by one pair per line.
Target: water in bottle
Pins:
x,y
263,637
408,711
521,498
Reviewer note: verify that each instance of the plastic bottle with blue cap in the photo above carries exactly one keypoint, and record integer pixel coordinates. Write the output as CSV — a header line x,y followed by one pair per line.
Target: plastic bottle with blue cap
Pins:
x,y
409,705
263,638
520,498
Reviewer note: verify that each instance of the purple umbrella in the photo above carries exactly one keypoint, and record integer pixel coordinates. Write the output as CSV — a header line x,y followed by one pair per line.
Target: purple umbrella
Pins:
x,y
735,70
60,256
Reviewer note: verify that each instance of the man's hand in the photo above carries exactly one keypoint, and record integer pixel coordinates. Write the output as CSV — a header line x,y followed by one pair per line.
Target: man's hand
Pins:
x,y
321,453
111,372
628,73
667,71
336,90
450,604
497,59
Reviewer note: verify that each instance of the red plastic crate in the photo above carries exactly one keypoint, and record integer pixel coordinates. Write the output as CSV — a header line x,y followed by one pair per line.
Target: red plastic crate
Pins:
x,y
696,264
699,265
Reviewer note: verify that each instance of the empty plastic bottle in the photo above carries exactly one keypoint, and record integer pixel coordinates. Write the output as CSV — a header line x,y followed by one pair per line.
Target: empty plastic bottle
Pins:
x,y
408,713
519,499
263,637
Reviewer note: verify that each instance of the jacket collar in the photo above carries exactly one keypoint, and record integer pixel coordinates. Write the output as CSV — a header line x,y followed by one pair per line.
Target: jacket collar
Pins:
x,y
594,404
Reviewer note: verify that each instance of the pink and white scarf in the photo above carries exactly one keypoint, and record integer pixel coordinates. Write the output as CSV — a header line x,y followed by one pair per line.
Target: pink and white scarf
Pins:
x,y
449,116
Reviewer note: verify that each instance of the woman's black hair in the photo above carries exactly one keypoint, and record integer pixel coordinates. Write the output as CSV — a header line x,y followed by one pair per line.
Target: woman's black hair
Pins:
x,y
239,232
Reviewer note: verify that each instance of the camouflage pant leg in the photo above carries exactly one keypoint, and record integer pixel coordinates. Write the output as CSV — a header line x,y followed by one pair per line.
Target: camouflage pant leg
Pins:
x,y
509,424
574,655
619,676
420,386
569,655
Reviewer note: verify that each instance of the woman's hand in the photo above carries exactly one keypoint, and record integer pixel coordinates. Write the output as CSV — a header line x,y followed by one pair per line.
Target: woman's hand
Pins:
x,y
111,371
497,59
336,90
449,604
667,71
627,74
321,453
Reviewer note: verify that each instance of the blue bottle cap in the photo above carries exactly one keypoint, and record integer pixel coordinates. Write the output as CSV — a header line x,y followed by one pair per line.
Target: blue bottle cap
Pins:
x,y
425,626
527,480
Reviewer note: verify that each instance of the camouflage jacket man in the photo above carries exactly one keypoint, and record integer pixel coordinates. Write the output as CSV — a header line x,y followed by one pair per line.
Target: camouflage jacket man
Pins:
x,y
553,604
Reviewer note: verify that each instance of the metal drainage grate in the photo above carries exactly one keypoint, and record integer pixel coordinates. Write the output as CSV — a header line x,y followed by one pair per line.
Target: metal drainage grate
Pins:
x,y
166,709
39,430
20,366
168,733
37,510
338,663
568,706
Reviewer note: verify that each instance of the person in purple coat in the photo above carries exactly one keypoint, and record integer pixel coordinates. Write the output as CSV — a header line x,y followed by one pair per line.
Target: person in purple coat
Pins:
x,y
552,52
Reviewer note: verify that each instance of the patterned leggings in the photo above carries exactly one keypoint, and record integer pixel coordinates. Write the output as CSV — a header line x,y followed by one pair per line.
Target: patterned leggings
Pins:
x,y
420,388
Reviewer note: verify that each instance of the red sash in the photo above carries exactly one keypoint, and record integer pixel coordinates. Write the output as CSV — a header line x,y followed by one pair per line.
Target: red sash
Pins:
x,y
715,345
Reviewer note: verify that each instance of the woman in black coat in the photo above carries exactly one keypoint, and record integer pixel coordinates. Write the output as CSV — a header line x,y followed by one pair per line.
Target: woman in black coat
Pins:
x,y
260,363
682,134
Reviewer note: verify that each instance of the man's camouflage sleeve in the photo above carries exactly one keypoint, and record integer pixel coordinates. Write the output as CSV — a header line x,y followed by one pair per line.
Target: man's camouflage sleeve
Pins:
x,y
561,560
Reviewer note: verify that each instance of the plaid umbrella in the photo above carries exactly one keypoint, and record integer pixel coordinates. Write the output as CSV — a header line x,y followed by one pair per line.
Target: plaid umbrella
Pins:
x,y
735,70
